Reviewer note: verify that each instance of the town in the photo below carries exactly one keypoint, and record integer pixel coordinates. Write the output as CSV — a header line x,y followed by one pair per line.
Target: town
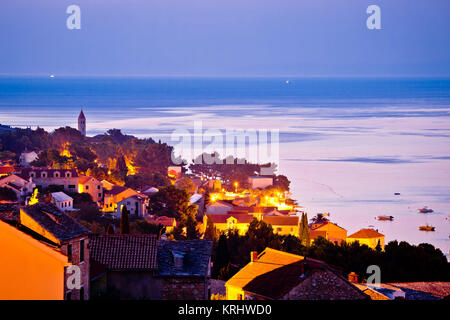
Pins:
x,y
138,226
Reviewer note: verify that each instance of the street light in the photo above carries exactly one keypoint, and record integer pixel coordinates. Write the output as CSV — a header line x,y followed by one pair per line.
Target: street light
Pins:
x,y
236,186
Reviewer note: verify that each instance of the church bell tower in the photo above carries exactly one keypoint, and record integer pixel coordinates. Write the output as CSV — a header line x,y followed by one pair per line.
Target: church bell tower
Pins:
x,y
82,123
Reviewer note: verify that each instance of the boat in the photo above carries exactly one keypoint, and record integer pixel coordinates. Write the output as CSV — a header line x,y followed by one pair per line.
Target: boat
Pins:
x,y
396,193
52,76
426,228
425,210
385,218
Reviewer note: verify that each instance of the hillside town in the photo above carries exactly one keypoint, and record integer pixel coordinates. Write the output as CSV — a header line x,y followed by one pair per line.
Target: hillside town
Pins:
x,y
156,230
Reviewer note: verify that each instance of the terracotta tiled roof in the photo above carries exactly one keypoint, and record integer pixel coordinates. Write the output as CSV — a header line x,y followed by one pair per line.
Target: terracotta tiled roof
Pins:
x,y
281,220
84,179
314,234
125,252
435,289
25,172
222,218
365,234
163,220
6,170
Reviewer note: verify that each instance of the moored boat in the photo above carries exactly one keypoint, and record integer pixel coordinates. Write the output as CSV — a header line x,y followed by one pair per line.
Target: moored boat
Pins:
x,y
425,210
385,218
426,228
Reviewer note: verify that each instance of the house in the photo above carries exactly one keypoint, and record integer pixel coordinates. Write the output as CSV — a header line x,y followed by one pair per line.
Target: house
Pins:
x,y
328,230
260,182
27,157
31,269
22,187
67,179
184,269
369,237
229,221
277,275
117,197
174,172
58,229
92,186
199,201
167,222
218,207
62,201
136,205
283,225
107,185
124,266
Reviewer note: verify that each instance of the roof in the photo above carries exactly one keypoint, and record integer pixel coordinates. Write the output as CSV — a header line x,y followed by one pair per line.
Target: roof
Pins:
x,y
268,260
25,172
276,273
61,196
196,258
315,226
424,290
222,218
115,190
6,170
260,177
84,179
81,116
163,220
62,226
281,220
195,198
121,252
366,234
9,212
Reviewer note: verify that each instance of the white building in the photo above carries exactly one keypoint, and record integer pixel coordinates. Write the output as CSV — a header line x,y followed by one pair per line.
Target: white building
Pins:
x,y
26,157
62,201
259,182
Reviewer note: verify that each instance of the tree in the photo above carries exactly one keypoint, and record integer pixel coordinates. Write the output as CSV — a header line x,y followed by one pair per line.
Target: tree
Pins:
x,y
210,231
142,226
186,183
304,231
282,182
124,223
110,229
222,257
319,218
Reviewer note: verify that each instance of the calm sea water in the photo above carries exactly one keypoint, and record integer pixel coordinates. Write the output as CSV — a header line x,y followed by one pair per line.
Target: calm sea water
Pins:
x,y
347,145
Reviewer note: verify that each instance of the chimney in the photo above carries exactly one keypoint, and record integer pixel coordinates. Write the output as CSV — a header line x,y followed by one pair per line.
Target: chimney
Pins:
x,y
253,256
353,277
178,258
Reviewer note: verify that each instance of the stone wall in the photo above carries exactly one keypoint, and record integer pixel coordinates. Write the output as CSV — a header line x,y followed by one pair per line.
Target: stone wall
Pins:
x,y
83,265
184,289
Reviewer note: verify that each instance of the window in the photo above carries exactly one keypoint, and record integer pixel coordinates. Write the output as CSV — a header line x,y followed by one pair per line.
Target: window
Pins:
x,y
82,293
99,195
98,187
69,252
69,295
68,174
239,297
71,186
44,175
81,250
56,174
32,174
87,187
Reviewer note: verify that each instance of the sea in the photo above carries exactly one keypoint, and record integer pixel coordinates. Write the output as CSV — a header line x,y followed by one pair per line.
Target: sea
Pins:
x,y
348,145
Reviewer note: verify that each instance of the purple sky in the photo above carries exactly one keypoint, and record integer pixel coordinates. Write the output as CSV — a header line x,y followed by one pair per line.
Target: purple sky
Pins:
x,y
225,38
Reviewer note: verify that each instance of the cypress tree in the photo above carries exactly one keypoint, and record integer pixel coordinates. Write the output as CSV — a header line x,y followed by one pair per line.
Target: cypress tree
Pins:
x,y
304,231
124,223
110,229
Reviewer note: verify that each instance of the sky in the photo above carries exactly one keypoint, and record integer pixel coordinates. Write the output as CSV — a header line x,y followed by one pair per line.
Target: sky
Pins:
x,y
222,38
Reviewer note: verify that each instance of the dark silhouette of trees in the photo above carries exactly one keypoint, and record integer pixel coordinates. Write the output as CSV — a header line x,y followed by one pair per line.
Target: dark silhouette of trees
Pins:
x,y
124,223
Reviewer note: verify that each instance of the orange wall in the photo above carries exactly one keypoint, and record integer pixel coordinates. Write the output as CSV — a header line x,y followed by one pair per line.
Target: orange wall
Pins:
x,y
29,269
